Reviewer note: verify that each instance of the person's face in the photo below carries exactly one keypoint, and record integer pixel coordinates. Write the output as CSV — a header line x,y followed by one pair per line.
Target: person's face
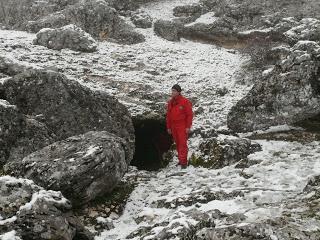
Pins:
x,y
174,93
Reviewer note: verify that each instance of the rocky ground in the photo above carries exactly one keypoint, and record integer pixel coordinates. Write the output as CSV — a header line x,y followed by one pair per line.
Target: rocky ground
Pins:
x,y
252,74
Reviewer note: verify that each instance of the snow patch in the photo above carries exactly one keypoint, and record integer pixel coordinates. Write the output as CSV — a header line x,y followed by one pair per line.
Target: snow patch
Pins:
x,y
207,18
6,104
10,236
91,150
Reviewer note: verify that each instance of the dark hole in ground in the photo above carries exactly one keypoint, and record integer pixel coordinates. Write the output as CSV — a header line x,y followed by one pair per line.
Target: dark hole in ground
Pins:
x,y
152,142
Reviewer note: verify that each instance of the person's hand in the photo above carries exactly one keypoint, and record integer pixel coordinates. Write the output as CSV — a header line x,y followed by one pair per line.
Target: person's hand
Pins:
x,y
187,130
169,131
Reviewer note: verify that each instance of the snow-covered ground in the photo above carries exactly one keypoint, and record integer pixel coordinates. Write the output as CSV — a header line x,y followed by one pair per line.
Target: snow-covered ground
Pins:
x,y
163,9
282,169
149,68
153,66
10,236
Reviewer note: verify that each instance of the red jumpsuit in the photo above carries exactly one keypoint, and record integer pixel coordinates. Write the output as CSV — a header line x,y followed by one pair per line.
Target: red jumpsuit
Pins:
x,y
179,118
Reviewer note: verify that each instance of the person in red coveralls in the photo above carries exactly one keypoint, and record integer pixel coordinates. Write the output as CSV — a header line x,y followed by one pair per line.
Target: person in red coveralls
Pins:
x,y
179,120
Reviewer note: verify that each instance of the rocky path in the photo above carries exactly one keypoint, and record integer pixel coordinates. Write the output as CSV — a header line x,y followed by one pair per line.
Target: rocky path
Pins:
x,y
173,199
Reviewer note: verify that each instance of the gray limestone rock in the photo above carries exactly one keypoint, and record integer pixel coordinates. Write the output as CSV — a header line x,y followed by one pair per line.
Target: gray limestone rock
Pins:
x,y
168,30
67,108
36,214
81,167
69,36
288,93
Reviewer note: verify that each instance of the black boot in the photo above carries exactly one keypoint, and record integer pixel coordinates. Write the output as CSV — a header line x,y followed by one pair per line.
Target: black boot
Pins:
x,y
184,166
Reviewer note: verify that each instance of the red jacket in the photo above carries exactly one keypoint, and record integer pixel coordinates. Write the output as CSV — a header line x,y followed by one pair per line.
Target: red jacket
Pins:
x,y
179,110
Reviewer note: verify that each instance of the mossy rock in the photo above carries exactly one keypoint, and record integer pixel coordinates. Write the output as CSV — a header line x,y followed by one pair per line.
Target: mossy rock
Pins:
x,y
199,161
212,155
220,153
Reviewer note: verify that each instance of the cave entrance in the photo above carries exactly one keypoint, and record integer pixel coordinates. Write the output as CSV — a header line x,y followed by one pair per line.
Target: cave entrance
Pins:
x,y
152,142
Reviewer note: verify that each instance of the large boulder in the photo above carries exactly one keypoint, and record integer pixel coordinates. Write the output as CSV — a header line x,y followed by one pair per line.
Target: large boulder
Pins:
x,y
16,13
30,212
102,21
124,5
33,135
11,122
168,29
305,29
67,108
20,135
81,167
224,151
96,17
10,67
288,30
53,20
188,10
235,23
251,14
287,93
141,19
69,36
219,30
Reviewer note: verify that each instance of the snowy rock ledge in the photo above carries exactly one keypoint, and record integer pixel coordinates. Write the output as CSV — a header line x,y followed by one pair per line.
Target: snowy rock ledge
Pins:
x,y
56,108
81,167
30,212
98,18
10,122
69,36
287,93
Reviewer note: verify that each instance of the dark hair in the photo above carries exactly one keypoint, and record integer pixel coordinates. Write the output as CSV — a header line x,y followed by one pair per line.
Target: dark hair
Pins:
x,y
177,87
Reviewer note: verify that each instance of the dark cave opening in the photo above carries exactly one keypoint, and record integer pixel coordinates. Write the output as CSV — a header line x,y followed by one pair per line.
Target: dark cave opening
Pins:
x,y
152,142
311,124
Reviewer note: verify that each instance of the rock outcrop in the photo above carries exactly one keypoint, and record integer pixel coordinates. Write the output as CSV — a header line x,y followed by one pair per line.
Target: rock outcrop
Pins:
x,y
182,230
168,30
141,19
287,93
102,22
69,36
34,213
11,121
188,10
98,18
66,108
234,24
41,107
250,14
220,152
16,13
220,31
302,208
10,67
33,135
81,167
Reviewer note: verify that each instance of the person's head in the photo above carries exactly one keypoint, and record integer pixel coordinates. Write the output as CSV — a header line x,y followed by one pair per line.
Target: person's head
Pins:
x,y
175,90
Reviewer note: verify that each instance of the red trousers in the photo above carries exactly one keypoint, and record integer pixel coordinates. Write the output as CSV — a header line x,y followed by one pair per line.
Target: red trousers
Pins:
x,y
180,137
